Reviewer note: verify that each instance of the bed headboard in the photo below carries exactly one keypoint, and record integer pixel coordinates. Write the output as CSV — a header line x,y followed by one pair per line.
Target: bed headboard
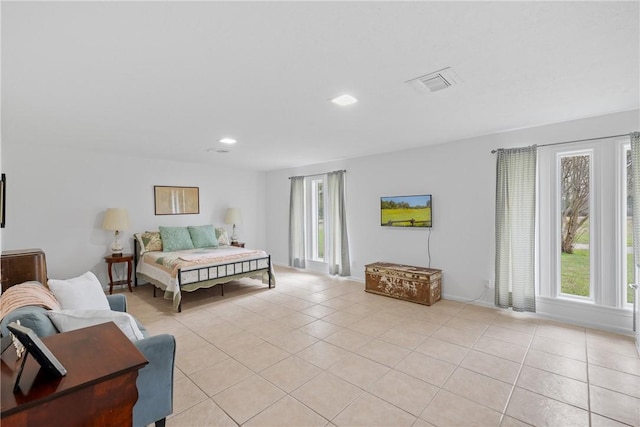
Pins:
x,y
21,266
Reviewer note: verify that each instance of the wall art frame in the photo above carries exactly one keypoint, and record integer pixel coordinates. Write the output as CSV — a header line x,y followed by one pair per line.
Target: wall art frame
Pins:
x,y
3,199
172,200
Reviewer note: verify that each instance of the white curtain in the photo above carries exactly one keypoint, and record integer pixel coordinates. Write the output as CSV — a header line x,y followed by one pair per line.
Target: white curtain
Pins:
x,y
635,193
515,228
337,243
635,188
297,243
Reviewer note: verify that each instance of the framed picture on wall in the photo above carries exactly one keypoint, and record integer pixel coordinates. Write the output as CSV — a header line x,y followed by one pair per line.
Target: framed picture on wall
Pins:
x,y
176,200
3,199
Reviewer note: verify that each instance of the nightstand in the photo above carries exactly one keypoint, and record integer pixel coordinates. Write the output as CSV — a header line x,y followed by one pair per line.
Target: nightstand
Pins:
x,y
238,244
116,259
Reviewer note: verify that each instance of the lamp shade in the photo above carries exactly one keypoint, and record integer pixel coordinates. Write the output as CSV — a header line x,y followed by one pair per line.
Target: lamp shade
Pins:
x,y
233,216
116,219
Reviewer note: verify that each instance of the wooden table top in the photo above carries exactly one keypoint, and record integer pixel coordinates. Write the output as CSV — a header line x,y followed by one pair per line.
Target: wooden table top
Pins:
x,y
90,355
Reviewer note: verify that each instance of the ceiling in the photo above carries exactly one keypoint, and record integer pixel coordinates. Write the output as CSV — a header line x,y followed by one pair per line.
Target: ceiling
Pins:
x,y
167,80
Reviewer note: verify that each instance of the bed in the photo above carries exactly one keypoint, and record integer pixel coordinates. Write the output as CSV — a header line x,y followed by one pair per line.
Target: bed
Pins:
x,y
187,270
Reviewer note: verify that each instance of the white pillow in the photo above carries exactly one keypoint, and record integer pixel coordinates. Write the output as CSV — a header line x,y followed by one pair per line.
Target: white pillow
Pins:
x,y
80,293
70,320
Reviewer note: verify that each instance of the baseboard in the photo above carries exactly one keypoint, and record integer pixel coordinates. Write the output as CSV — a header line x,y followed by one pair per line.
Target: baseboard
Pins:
x,y
610,319
481,300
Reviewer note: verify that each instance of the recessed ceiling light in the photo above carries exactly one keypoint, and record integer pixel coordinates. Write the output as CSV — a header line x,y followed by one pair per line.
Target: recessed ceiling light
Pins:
x,y
228,141
343,100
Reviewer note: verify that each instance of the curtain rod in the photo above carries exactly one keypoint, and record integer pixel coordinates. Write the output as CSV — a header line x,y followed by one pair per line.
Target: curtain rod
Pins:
x,y
571,142
316,174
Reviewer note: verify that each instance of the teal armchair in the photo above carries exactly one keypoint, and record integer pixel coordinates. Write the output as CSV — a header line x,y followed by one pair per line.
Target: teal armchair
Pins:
x,y
155,381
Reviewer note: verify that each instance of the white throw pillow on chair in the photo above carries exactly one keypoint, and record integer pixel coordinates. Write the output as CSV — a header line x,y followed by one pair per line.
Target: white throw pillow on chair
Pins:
x,y
80,293
70,320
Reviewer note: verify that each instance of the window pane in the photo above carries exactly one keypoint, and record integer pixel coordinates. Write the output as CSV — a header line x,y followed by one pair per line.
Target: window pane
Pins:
x,y
320,223
629,229
317,220
575,259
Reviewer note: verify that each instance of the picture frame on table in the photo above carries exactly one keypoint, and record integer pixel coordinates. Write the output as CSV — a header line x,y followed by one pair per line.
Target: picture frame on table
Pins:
x,y
40,352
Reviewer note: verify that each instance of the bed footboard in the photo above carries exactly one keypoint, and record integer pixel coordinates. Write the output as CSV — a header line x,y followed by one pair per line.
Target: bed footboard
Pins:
x,y
195,278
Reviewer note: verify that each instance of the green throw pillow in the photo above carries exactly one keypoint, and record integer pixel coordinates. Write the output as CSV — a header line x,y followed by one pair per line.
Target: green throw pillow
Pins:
x,y
149,241
203,236
175,239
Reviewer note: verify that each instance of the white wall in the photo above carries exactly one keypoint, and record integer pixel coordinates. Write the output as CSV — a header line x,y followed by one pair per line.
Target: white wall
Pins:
x,y
57,198
461,178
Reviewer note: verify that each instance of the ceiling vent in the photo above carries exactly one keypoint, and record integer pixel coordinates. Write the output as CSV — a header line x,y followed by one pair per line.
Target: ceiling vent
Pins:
x,y
435,81
218,150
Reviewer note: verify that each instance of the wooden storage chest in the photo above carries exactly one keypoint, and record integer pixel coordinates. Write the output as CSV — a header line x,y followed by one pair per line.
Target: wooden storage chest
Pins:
x,y
406,282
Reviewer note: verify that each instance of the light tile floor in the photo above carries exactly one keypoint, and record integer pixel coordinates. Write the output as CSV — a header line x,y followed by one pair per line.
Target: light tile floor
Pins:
x,y
319,351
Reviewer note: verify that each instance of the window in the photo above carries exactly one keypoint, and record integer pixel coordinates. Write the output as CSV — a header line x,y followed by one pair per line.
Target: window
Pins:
x,y
628,270
575,232
585,229
317,219
318,237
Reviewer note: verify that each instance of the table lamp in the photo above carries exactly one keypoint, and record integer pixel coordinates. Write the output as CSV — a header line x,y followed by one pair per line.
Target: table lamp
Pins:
x,y
116,219
233,217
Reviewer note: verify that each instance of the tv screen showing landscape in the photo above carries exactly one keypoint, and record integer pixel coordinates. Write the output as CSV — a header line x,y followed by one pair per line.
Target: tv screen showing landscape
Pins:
x,y
406,211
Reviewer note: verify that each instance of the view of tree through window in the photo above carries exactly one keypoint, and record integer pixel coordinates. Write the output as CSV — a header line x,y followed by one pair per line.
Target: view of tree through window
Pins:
x,y
317,219
575,235
630,276
320,223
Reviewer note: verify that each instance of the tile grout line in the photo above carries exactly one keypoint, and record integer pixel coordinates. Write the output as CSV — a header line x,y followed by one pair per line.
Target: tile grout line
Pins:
x,y
440,387
586,356
390,403
522,363
515,381
362,390
426,382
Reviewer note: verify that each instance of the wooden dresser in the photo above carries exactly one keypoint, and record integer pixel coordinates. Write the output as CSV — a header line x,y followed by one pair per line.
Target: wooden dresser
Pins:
x,y
98,390
21,266
406,282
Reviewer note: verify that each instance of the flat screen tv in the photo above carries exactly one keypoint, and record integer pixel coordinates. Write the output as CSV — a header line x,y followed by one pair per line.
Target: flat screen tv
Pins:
x,y
406,211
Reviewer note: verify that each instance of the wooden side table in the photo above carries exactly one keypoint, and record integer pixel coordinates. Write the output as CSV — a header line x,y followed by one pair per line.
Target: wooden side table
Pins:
x,y
115,259
238,244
